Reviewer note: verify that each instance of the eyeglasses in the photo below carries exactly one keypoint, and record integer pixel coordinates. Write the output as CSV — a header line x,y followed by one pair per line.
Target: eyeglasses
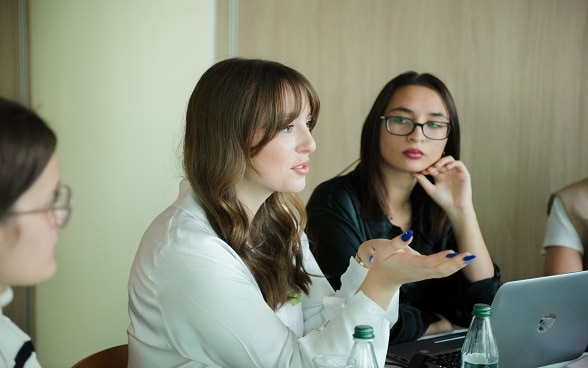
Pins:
x,y
60,207
435,130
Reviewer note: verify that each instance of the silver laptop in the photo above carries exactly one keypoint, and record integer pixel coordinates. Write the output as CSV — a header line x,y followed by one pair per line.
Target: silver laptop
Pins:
x,y
536,322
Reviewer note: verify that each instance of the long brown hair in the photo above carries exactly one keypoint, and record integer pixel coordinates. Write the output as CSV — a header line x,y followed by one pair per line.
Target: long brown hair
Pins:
x,y
232,102
373,197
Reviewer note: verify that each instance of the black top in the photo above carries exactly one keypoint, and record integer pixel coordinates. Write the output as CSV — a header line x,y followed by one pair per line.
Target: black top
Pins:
x,y
336,230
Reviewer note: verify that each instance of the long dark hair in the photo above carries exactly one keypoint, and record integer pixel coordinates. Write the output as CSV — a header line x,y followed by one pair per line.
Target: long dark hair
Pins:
x,y
26,145
373,198
233,102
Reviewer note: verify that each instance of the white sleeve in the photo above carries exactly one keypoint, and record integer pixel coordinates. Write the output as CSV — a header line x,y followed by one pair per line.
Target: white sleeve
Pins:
x,y
559,230
214,312
343,310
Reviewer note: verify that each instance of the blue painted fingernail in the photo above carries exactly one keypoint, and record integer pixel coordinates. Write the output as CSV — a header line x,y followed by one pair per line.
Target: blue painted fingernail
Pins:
x,y
451,255
469,259
406,236
370,258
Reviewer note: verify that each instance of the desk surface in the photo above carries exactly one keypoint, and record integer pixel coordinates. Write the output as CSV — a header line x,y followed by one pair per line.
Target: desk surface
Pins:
x,y
581,362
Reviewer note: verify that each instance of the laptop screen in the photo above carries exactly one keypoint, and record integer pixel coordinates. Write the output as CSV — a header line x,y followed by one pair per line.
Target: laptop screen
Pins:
x,y
536,322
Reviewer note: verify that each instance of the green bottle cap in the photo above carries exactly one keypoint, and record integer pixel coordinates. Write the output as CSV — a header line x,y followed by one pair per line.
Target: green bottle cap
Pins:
x,y
363,332
482,310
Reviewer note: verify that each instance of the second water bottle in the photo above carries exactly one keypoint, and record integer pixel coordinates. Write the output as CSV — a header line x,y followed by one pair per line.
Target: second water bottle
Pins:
x,y
363,348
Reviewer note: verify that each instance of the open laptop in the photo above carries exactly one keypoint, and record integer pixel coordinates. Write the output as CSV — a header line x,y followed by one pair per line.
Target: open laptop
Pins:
x,y
536,322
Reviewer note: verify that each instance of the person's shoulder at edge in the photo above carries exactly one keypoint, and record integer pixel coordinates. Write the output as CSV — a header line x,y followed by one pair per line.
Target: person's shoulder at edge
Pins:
x,y
576,188
579,185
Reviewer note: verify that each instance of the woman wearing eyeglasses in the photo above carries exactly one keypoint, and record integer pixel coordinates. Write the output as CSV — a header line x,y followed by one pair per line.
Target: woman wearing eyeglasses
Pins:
x,y
33,204
409,178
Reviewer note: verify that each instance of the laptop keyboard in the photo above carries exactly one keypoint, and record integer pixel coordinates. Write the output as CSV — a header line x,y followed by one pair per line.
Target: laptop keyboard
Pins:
x,y
450,359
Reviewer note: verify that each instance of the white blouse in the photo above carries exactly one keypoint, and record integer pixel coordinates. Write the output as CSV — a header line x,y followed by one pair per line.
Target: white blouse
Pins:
x,y
12,338
559,230
194,303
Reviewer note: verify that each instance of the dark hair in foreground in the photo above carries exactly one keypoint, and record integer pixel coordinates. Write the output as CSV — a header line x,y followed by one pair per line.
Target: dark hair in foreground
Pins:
x,y
237,107
26,145
373,197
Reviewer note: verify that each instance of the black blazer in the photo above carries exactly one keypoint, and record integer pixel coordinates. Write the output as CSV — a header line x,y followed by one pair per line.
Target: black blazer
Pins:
x,y
336,230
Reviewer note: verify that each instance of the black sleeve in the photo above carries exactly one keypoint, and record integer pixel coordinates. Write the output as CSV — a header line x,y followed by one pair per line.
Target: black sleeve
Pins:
x,y
334,230
411,325
454,297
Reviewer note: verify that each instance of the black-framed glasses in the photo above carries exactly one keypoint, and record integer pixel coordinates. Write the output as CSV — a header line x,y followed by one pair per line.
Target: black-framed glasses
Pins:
x,y
401,126
59,209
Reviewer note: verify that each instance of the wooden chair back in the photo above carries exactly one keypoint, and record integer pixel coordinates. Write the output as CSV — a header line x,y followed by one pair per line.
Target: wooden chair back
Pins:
x,y
114,357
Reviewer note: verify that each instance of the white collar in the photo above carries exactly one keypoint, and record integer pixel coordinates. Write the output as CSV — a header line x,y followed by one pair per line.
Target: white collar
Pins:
x,y
6,297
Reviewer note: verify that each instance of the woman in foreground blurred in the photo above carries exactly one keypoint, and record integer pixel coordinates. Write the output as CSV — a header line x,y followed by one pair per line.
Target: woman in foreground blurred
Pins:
x,y
33,204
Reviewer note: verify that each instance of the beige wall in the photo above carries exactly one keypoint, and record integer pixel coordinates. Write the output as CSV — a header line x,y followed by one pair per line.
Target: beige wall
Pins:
x,y
518,70
113,78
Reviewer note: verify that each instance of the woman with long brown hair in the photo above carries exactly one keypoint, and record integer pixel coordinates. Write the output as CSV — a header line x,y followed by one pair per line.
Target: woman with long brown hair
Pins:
x,y
224,276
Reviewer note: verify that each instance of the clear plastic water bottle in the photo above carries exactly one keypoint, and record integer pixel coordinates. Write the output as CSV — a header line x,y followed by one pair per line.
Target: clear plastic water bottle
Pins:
x,y
479,348
363,347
